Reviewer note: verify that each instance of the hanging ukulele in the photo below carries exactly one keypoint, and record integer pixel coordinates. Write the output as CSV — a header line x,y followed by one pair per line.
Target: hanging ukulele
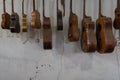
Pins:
x,y
88,40
15,25
47,31
117,16
104,34
24,19
73,31
59,17
35,22
5,24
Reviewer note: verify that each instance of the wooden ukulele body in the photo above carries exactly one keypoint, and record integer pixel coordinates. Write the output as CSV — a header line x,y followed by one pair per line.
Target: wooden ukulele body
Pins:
x,y
73,31
15,25
104,34
35,22
5,24
47,33
24,23
116,22
88,40
59,20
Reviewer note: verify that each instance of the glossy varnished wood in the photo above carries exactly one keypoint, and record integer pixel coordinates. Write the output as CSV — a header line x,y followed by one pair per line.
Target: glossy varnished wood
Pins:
x,y
5,24
73,31
104,33
47,31
117,16
88,38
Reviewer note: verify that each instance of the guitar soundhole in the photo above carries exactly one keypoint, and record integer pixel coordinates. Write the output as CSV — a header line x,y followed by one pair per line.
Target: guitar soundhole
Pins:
x,y
12,18
118,15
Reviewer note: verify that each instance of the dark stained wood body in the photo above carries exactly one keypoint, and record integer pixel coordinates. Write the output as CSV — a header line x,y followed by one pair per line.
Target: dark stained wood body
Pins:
x,y
116,22
5,24
47,34
14,24
73,31
59,19
88,38
47,31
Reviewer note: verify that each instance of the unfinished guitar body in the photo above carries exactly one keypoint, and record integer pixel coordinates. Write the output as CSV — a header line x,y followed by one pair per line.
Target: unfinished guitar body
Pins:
x,y
117,19
15,25
5,24
24,23
59,20
35,22
73,31
88,40
104,34
47,34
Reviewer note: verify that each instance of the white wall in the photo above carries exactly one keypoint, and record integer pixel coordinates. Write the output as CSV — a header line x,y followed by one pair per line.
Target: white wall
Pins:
x,y
66,61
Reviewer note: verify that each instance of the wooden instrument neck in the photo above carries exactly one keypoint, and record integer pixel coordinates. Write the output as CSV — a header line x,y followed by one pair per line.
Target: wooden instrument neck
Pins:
x,y
33,5
100,14
84,8
43,9
23,7
4,8
12,6
70,6
118,4
63,4
57,5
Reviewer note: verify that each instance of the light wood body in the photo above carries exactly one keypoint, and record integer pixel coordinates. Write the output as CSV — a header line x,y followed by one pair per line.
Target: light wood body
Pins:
x,y
35,22
24,23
